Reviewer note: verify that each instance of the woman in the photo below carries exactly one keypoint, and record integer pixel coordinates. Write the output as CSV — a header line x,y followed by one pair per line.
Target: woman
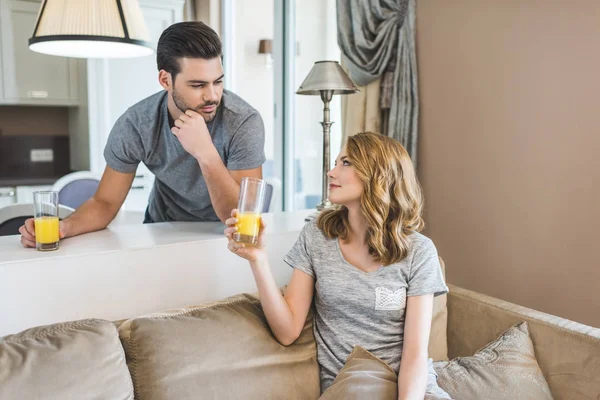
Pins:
x,y
372,275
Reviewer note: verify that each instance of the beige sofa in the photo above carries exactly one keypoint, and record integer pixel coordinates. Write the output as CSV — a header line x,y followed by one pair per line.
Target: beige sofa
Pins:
x,y
224,350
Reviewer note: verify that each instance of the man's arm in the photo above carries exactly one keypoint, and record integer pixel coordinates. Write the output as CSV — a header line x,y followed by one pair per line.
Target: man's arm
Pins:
x,y
223,185
412,380
94,214
101,209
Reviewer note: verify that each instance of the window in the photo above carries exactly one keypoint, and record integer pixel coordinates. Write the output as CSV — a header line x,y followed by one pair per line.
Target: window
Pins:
x,y
293,133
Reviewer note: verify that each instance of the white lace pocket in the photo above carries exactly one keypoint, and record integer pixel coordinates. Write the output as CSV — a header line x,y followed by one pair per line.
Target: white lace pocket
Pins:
x,y
386,299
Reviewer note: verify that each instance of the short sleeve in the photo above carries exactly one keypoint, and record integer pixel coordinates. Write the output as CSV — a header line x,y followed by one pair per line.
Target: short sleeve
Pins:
x,y
247,147
299,257
124,150
425,272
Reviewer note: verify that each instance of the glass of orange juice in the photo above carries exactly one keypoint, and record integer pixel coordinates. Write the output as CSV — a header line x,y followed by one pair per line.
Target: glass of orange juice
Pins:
x,y
45,207
250,206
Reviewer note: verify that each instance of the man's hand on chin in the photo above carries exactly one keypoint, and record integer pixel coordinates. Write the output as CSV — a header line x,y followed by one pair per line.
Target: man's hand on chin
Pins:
x,y
192,132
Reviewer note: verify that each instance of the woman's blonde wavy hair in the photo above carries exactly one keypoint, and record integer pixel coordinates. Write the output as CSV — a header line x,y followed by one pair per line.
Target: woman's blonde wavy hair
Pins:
x,y
392,201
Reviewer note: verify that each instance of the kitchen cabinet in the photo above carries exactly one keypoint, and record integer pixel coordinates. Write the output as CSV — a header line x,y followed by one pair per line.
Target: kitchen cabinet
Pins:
x,y
137,199
30,78
20,194
24,194
8,195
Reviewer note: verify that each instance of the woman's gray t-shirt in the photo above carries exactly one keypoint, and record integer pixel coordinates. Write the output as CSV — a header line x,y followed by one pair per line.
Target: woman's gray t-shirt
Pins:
x,y
353,307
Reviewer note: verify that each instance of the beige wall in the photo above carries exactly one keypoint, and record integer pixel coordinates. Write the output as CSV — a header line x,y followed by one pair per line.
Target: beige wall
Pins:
x,y
510,148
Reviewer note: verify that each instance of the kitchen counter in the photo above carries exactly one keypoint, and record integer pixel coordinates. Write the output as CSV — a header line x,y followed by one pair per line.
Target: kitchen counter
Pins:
x,y
130,269
125,235
113,239
28,181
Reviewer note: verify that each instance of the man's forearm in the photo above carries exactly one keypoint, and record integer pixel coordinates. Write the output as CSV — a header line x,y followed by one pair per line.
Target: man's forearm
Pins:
x,y
222,188
93,215
412,380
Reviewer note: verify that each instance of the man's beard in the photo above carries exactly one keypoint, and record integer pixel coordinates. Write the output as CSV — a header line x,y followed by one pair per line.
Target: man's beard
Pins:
x,y
183,107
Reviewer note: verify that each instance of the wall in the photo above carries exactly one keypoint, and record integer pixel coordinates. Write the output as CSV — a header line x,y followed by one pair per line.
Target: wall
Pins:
x,y
79,135
25,128
253,81
34,121
509,143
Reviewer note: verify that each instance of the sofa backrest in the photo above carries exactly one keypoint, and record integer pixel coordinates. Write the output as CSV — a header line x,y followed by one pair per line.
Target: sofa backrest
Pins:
x,y
567,352
438,342
222,350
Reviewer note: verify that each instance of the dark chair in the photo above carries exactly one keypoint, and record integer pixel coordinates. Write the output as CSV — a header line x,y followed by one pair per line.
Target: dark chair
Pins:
x,y
14,215
272,191
11,226
268,197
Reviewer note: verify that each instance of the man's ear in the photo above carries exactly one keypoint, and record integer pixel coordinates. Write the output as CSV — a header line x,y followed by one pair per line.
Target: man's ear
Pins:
x,y
165,79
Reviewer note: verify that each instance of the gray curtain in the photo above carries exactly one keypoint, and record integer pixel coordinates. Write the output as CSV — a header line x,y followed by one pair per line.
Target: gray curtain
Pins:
x,y
377,40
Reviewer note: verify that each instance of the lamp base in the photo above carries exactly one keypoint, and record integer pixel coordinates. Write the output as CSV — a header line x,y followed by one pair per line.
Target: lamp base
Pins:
x,y
324,205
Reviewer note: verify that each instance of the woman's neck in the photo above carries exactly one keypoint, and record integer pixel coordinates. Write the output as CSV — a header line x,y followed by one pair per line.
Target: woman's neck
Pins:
x,y
358,225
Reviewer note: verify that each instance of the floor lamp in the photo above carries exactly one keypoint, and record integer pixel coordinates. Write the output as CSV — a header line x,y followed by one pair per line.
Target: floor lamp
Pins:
x,y
325,79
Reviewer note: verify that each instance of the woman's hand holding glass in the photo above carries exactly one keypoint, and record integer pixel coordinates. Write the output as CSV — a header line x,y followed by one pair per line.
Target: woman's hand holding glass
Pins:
x,y
253,253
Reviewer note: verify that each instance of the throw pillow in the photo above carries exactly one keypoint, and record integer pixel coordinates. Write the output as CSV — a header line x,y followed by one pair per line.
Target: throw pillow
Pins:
x,y
505,369
364,376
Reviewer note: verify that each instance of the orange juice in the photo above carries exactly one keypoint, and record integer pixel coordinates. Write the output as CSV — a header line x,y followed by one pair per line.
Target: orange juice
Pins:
x,y
248,225
46,230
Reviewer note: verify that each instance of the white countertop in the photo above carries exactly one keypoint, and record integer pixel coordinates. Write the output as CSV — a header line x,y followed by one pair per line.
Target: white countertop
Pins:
x,y
130,269
125,233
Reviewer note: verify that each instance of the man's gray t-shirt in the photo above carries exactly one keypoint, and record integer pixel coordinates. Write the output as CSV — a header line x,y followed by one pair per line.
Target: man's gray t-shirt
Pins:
x,y
143,134
353,307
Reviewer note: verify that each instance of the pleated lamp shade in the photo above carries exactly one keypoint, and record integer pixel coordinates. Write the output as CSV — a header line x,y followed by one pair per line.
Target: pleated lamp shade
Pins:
x,y
91,29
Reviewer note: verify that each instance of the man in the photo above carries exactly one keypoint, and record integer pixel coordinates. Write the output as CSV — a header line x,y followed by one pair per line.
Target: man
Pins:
x,y
198,139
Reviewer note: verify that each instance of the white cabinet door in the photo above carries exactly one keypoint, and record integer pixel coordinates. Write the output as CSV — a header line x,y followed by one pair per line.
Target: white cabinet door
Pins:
x,y
8,195
29,77
137,199
115,85
25,193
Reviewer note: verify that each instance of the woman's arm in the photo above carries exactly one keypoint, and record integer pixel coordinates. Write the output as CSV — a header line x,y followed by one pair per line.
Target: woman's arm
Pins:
x,y
412,380
287,314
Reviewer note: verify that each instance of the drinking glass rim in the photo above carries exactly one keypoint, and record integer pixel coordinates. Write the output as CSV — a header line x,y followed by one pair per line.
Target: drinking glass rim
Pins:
x,y
252,179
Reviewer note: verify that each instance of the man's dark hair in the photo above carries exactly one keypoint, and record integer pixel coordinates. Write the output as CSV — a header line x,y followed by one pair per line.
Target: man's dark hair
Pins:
x,y
193,39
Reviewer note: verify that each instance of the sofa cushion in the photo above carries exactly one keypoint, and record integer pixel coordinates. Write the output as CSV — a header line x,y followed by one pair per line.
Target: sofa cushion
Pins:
x,y
222,350
364,376
505,369
71,360
438,341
